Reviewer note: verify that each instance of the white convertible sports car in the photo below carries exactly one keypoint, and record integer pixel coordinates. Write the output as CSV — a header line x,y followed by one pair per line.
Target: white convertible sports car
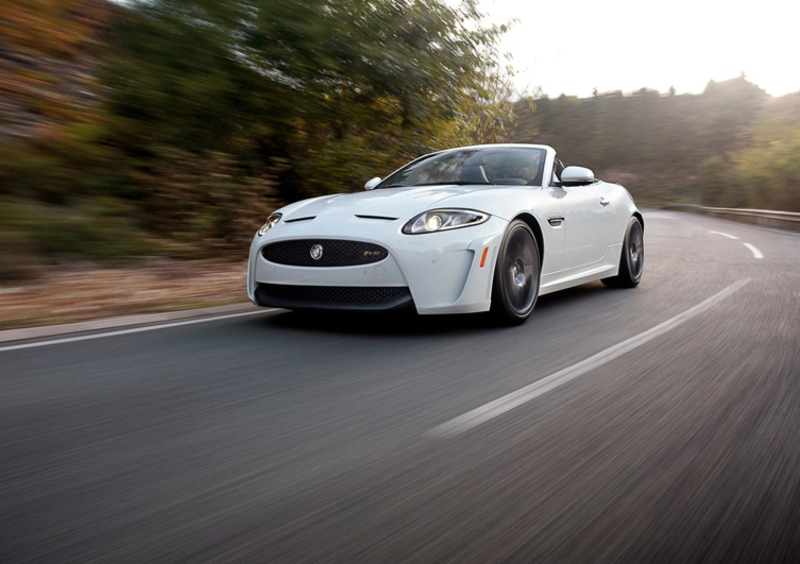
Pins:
x,y
489,227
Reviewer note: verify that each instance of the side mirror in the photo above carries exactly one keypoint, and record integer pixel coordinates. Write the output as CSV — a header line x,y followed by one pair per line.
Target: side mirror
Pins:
x,y
576,176
372,183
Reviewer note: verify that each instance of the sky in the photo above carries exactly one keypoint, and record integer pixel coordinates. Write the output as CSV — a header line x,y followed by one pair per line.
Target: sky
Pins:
x,y
574,46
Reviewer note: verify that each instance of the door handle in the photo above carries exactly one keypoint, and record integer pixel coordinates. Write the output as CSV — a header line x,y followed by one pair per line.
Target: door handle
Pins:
x,y
603,201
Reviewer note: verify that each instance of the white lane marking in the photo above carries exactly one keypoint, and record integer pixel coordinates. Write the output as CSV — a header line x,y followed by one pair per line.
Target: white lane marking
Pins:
x,y
756,253
724,235
515,399
130,331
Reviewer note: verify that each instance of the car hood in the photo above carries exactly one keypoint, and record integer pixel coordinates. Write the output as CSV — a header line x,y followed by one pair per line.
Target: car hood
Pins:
x,y
400,203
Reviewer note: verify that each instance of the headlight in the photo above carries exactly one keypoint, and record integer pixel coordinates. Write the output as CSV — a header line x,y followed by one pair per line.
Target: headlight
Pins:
x,y
442,220
271,221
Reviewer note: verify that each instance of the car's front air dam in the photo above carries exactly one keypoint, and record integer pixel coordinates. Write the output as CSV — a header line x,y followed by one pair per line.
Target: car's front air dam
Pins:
x,y
352,298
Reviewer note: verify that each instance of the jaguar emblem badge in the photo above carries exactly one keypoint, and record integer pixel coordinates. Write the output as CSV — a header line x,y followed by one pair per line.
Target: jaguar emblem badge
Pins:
x,y
316,252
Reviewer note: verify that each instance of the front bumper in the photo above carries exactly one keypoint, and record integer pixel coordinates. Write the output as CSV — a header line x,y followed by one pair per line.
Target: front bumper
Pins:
x,y
444,272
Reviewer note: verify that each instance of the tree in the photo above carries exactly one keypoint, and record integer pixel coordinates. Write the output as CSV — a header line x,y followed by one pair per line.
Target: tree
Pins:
x,y
667,148
50,118
768,164
44,47
329,92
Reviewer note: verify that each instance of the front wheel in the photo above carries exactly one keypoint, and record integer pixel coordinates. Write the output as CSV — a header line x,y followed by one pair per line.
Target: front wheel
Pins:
x,y
631,261
516,275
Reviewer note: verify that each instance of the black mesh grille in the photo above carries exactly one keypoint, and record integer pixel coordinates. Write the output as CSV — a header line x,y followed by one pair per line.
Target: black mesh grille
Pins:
x,y
335,252
279,295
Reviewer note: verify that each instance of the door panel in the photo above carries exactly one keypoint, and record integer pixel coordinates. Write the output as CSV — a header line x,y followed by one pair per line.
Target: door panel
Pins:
x,y
587,211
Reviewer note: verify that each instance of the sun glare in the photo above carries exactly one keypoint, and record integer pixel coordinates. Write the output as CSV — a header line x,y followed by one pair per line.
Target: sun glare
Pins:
x,y
575,46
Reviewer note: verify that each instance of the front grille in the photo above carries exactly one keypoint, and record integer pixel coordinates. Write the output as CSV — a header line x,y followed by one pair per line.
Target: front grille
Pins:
x,y
335,297
335,252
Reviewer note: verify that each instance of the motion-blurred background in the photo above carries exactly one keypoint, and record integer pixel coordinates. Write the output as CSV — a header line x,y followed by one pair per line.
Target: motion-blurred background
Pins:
x,y
142,143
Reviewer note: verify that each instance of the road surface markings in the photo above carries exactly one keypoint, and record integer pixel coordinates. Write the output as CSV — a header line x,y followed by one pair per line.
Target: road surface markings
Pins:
x,y
756,253
724,235
515,399
130,331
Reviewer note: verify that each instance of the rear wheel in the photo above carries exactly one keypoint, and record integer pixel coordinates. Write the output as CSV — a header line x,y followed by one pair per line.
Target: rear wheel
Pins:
x,y
631,261
516,275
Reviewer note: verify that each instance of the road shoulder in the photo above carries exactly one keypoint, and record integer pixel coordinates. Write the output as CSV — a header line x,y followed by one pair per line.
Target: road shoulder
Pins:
x,y
27,333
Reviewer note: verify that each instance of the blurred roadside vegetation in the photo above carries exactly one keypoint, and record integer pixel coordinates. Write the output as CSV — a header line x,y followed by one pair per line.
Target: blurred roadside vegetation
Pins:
x,y
730,146
173,127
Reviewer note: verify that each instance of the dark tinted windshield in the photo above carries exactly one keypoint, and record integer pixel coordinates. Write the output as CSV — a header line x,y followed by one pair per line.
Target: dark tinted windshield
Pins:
x,y
502,165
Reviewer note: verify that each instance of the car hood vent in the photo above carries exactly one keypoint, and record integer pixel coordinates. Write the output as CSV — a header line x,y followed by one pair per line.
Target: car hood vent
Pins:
x,y
309,218
379,217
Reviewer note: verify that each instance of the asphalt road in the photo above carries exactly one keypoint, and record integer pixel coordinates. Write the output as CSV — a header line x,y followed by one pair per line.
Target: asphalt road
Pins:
x,y
284,438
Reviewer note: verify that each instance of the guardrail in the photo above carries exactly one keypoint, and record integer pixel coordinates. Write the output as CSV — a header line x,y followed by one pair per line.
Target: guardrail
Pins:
x,y
765,218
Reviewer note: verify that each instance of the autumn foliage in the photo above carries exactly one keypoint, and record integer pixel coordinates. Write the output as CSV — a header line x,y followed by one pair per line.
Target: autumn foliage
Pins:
x,y
173,127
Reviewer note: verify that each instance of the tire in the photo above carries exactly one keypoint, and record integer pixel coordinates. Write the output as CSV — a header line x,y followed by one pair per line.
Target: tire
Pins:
x,y
515,288
631,260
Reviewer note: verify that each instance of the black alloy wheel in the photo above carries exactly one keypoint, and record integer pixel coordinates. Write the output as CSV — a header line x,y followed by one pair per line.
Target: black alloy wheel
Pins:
x,y
631,260
517,274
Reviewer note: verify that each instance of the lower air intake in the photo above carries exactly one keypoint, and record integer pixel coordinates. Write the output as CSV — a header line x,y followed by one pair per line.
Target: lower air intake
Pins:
x,y
333,297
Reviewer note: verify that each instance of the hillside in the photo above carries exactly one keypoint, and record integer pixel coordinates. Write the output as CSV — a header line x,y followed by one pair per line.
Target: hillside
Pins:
x,y
668,147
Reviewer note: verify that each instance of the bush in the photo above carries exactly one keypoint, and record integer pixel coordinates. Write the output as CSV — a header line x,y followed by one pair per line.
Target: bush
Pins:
x,y
53,233
719,184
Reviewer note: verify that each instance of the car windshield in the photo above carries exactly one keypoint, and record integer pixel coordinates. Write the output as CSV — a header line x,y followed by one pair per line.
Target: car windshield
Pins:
x,y
521,166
